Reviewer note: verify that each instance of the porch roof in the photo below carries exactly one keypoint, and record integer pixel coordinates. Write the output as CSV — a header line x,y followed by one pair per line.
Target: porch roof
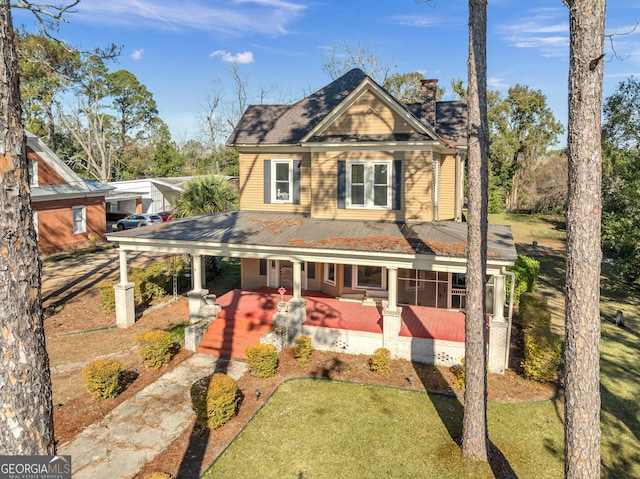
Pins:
x,y
271,235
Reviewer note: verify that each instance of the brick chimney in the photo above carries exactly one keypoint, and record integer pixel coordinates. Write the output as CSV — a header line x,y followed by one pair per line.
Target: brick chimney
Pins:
x,y
428,108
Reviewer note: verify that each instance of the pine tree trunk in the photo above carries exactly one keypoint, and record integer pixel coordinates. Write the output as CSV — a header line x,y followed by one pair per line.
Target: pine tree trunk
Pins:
x,y
26,425
474,432
582,329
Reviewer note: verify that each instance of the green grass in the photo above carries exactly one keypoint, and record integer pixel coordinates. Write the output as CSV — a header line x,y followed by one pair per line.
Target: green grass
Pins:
x,y
322,429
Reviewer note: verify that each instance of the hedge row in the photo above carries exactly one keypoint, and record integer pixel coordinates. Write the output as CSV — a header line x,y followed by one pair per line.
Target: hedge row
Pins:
x,y
542,348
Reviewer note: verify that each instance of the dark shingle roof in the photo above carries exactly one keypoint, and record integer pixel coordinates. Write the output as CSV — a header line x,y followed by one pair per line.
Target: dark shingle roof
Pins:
x,y
289,124
451,120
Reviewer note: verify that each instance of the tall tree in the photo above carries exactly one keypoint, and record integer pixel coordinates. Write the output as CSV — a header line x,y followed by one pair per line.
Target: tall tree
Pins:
x,y
474,429
47,66
583,253
134,106
343,57
522,127
26,416
621,178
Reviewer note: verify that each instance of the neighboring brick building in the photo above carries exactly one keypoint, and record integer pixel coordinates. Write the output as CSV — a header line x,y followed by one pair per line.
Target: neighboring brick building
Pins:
x,y
67,210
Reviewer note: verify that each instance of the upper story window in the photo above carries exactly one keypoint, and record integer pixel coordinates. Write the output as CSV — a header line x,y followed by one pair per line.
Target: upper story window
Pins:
x,y
369,184
33,172
282,181
282,175
79,219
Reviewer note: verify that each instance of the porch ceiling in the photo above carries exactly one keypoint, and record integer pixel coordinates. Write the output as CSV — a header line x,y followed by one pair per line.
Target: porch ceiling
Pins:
x,y
268,235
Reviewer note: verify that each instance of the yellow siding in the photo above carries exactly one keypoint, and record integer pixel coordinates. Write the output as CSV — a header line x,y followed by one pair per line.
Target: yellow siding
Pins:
x,y
368,115
250,274
446,200
252,182
417,171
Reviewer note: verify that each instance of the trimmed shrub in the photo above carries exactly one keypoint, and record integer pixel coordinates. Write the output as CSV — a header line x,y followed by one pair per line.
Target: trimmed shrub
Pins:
x,y
302,350
149,284
534,311
526,271
155,347
215,400
381,361
262,360
458,371
158,475
107,296
542,349
102,378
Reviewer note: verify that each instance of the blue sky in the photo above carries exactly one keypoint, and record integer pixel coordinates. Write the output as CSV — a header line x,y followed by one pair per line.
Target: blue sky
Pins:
x,y
181,50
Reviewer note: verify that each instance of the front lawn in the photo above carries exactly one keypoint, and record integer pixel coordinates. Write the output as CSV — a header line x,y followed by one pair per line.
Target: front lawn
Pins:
x,y
316,428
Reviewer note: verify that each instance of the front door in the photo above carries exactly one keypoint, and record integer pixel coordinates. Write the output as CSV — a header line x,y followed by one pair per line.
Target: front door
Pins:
x,y
286,274
281,274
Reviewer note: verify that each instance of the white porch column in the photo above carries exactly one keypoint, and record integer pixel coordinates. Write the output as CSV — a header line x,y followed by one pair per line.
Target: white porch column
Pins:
x,y
123,266
392,284
125,305
297,281
499,297
196,271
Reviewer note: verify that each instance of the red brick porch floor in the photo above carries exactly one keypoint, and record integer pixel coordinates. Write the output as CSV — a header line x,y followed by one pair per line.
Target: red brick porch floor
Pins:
x,y
247,315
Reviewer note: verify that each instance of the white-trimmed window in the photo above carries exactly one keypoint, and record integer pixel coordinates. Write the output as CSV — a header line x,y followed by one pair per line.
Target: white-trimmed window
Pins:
x,y
79,214
370,277
330,273
369,184
33,172
282,181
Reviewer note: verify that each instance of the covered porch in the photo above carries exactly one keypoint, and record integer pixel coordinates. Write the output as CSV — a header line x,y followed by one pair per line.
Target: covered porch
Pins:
x,y
426,334
391,271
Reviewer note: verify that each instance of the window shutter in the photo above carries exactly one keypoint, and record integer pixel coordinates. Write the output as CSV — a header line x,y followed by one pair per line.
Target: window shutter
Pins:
x,y
296,182
263,267
347,275
342,183
267,181
397,185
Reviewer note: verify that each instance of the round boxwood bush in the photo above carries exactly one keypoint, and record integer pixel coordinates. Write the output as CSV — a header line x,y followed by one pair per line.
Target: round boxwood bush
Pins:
x,y
102,378
155,347
262,360
215,400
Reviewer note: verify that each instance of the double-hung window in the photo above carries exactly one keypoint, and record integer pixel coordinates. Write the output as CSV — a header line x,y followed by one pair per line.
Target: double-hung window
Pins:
x,y
79,214
369,184
282,185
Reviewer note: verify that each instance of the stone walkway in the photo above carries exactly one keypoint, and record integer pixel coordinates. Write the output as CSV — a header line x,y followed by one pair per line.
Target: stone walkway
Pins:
x,y
142,427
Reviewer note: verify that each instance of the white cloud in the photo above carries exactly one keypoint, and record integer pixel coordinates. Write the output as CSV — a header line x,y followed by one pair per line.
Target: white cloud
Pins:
x,y
241,57
544,29
415,20
137,54
496,83
227,17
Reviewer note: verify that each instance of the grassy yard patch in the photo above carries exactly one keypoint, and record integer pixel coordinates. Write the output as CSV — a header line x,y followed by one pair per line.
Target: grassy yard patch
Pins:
x,y
315,429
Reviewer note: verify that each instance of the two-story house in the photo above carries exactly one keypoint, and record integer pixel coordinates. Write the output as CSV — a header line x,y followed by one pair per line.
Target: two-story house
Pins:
x,y
350,197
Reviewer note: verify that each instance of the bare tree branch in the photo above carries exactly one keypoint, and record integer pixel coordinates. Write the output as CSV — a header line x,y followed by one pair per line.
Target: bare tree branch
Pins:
x,y
610,38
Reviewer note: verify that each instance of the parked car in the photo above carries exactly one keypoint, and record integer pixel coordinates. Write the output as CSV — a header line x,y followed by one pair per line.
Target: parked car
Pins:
x,y
165,215
135,221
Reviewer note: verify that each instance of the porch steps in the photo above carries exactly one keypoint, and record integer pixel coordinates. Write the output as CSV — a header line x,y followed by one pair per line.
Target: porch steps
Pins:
x,y
228,337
